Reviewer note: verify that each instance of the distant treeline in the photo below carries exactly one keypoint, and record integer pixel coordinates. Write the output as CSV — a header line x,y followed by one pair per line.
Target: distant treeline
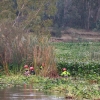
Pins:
x,y
78,13
34,15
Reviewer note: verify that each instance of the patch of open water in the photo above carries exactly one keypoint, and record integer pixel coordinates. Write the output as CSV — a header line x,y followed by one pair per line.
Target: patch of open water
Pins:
x,y
23,93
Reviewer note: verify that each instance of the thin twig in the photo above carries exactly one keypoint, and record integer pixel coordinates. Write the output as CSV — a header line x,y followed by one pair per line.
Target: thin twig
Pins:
x,y
35,14
18,16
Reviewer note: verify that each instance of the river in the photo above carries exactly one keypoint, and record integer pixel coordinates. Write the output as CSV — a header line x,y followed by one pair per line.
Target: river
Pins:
x,y
26,93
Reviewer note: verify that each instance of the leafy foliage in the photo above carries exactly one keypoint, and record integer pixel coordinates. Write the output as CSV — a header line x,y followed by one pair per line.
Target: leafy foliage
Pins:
x,y
88,70
80,59
78,14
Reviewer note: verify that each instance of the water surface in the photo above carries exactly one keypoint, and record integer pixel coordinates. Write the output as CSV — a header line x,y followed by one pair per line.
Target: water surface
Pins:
x,y
26,93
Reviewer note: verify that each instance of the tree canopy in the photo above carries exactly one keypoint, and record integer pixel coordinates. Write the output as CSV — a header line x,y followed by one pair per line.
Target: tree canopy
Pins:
x,y
78,14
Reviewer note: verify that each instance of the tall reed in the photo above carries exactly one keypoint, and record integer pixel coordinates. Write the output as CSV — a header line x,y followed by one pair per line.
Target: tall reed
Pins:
x,y
18,48
43,54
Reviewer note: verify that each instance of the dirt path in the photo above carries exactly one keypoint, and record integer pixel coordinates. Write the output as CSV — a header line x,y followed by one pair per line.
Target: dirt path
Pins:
x,y
74,35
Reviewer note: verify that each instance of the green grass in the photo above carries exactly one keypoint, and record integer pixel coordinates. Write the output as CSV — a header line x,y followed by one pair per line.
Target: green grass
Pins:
x,y
77,52
81,59
74,87
77,87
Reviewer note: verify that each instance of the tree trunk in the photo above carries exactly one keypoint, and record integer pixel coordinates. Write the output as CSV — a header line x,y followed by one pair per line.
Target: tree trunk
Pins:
x,y
88,19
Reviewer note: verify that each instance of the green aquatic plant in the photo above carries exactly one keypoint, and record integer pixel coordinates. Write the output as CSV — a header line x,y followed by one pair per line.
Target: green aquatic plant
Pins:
x,y
75,87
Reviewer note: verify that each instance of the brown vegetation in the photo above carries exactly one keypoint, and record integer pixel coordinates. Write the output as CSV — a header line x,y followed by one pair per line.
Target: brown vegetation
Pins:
x,y
18,48
77,35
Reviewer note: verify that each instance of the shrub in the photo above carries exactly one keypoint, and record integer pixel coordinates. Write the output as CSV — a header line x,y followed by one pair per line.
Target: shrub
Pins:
x,y
81,69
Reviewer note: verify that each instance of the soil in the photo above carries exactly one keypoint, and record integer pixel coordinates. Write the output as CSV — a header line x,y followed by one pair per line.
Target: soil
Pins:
x,y
77,35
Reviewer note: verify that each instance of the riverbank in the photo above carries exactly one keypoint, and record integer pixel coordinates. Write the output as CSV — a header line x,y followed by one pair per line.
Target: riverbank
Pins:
x,y
71,87
81,60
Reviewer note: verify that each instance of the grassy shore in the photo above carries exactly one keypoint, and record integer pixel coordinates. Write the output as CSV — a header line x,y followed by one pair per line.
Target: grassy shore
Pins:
x,y
81,52
79,58
74,86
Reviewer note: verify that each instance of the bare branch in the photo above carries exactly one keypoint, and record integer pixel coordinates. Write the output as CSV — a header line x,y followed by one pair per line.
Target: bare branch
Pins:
x,y
35,14
18,16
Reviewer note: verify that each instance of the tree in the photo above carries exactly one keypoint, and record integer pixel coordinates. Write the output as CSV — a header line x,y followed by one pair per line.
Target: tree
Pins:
x,y
6,10
25,37
78,13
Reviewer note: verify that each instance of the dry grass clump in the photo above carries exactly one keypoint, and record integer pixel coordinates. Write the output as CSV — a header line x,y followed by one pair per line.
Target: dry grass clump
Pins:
x,y
18,48
44,55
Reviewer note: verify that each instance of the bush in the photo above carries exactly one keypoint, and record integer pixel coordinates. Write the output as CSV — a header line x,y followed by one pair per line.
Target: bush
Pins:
x,y
80,69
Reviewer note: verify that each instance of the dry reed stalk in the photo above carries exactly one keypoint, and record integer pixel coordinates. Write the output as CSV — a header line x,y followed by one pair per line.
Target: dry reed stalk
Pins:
x,y
5,66
50,61
44,54
35,55
47,60
21,47
12,46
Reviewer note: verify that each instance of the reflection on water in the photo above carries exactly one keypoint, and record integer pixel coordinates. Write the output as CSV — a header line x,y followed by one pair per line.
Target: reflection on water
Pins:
x,y
25,93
